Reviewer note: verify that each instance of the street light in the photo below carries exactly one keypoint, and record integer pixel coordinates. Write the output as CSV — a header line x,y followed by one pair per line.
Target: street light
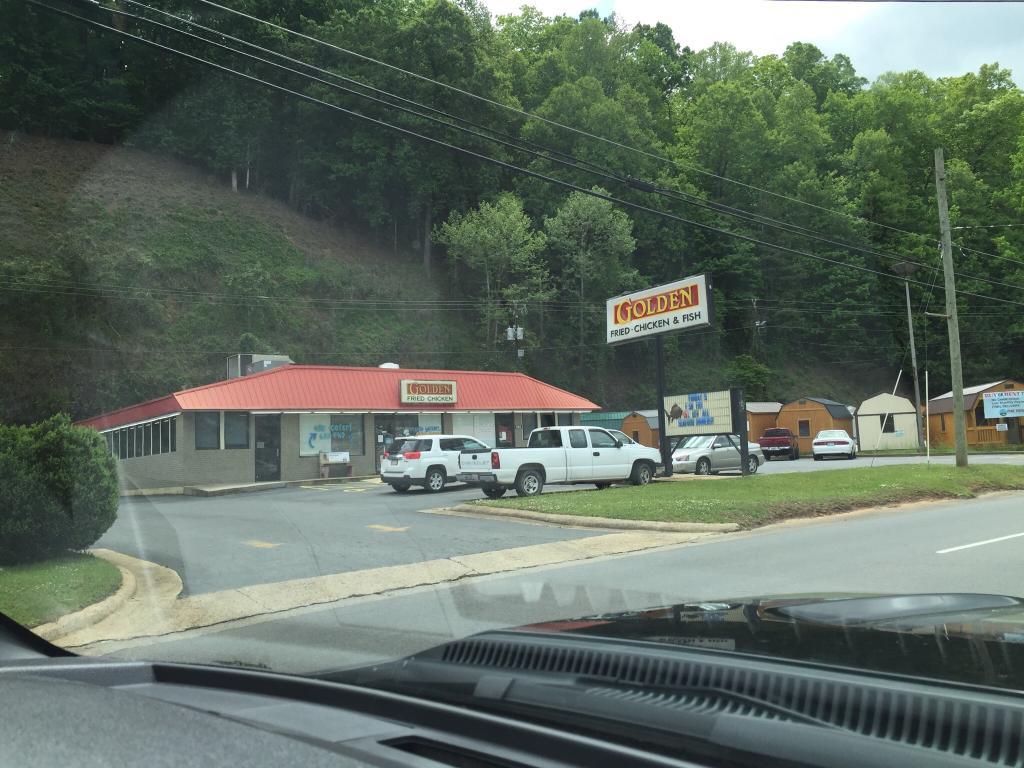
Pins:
x,y
905,269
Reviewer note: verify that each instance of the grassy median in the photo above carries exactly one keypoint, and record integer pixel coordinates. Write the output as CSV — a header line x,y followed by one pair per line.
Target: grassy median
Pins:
x,y
37,593
763,499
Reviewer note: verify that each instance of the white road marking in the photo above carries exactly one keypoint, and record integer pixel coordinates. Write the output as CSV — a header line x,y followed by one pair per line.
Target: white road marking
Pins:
x,y
978,543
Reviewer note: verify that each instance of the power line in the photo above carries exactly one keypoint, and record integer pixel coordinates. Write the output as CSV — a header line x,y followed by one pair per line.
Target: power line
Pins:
x,y
491,160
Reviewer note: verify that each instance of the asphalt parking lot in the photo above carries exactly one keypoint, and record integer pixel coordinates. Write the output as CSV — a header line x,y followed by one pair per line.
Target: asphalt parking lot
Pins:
x,y
227,542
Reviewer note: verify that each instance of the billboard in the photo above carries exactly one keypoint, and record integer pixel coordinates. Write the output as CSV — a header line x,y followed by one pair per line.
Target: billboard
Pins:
x,y
1006,404
429,392
699,413
682,305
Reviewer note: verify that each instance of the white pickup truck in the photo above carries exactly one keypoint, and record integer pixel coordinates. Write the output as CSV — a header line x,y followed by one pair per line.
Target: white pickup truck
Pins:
x,y
558,455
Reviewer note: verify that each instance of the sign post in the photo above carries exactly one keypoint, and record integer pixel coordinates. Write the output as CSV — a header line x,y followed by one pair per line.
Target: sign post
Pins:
x,y
678,306
659,357
739,426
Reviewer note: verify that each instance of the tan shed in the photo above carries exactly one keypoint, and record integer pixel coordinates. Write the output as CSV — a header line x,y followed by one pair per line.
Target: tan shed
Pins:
x,y
808,416
980,430
642,426
886,422
761,416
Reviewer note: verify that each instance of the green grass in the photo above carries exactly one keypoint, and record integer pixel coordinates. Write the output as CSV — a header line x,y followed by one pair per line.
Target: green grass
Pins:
x,y
766,498
37,593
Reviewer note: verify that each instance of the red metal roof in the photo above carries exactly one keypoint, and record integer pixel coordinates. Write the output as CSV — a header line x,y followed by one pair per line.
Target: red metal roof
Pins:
x,y
338,388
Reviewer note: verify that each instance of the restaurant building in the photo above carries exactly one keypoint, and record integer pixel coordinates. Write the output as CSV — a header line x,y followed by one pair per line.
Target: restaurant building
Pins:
x,y
286,422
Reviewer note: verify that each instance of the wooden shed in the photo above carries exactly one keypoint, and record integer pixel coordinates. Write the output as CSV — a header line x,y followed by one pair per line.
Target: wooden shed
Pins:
x,y
886,422
642,426
980,430
807,416
761,416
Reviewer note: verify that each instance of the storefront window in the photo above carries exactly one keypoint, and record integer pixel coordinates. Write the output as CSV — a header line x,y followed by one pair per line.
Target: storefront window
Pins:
x,y
347,434
529,424
236,430
548,420
207,430
564,419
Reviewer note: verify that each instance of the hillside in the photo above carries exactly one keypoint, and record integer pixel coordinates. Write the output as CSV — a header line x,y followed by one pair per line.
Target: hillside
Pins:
x,y
126,275
149,272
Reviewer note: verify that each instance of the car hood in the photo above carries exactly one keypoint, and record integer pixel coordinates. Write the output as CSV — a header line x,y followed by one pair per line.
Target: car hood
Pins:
x,y
973,638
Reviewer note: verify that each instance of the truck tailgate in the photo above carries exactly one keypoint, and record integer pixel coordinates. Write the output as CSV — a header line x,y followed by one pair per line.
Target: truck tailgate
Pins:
x,y
475,461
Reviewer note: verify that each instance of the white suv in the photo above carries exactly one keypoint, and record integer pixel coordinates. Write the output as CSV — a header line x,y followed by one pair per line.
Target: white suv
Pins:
x,y
427,460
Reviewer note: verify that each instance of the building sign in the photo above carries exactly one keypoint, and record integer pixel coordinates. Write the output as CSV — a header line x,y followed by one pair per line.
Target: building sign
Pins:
x,y
682,305
699,413
414,391
1005,404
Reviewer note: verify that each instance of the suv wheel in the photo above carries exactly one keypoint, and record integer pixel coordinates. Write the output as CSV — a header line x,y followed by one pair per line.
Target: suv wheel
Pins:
x,y
435,479
494,493
529,483
400,487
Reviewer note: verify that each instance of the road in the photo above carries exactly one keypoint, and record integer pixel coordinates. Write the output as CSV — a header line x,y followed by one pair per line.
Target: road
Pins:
x,y
809,465
960,546
234,541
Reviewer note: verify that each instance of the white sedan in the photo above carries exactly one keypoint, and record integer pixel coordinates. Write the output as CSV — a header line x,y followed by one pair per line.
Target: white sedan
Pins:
x,y
833,442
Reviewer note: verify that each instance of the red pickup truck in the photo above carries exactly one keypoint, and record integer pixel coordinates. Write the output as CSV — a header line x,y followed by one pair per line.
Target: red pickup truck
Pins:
x,y
779,442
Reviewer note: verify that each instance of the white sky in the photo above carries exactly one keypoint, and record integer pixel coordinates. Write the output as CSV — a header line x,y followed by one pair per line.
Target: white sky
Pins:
x,y
938,38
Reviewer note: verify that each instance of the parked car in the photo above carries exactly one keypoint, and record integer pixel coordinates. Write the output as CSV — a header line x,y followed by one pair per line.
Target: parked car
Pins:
x,y
711,454
570,455
779,441
833,442
430,461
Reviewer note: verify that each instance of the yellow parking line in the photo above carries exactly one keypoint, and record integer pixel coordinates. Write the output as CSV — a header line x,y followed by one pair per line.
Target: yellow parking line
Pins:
x,y
387,528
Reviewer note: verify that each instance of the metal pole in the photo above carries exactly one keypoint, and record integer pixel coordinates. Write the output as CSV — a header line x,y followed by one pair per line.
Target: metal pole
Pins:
x,y
952,324
913,363
666,455
927,422
739,426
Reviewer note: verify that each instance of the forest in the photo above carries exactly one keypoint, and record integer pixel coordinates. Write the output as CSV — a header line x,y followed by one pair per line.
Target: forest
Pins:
x,y
513,170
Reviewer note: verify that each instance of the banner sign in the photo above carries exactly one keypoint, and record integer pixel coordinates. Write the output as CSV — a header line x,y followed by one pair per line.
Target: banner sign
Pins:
x,y
428,392
682,305
699,413
1006,404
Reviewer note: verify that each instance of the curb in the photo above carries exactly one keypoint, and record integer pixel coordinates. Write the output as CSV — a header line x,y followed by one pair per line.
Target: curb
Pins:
x,y
199,490
577,521
91,614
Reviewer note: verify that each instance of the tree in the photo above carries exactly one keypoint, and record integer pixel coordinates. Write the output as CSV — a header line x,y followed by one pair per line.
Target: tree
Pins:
x,y
591,242
497,242
749,375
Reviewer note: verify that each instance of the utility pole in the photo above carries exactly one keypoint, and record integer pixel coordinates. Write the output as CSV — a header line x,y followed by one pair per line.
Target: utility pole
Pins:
x,y
952,324
906,268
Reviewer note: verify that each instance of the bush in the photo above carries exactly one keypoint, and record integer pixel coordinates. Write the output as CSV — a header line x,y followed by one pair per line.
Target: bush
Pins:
x,y
58,489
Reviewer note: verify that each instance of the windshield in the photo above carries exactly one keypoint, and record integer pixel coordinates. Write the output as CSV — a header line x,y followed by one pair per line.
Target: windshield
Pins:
x,y
579,256
696,442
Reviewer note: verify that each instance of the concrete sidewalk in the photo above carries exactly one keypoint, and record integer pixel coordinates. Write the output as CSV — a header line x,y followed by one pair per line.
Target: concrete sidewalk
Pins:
x,y
229,488
156,610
